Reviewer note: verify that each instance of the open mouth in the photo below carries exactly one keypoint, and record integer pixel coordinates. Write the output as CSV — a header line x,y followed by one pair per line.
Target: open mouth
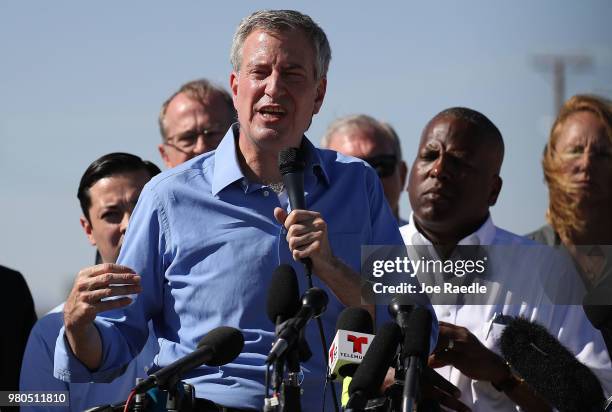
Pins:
x,y
271,113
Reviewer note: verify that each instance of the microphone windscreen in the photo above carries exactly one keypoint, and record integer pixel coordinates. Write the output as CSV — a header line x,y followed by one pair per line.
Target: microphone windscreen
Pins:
x,y
417,333
370,374
283,294
355,319
291,160
549,368
226,344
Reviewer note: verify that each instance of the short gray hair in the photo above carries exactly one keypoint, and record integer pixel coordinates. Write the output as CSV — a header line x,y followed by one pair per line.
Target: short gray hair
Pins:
x,y
278,21
363,121
199,90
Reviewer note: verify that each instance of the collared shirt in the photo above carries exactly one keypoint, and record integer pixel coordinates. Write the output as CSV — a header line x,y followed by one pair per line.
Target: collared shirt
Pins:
x,y
518,269
206,242
37,370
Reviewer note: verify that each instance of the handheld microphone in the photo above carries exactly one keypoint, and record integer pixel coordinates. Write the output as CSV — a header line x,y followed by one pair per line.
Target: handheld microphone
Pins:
x,y
291,165
220,346
371,372
414,354
355,332
314,303
549,368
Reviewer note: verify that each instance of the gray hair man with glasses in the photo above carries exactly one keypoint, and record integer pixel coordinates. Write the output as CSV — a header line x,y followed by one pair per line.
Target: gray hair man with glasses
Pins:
x,y
377,143
193,121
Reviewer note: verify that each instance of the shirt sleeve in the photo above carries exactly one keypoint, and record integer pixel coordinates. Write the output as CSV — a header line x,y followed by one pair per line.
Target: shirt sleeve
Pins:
x,y
124,332
37,365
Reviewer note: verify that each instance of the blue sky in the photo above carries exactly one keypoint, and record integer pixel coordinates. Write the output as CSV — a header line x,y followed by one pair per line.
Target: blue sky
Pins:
x,y
82,79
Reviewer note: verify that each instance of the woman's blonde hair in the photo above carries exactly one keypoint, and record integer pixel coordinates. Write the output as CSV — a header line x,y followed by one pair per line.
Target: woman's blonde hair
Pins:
x,y
563,213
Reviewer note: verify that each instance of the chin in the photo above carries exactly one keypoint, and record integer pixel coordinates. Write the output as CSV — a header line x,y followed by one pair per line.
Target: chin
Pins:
x,y
434,213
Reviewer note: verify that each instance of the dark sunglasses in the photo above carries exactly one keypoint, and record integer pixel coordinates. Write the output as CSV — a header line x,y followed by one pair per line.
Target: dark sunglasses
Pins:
x,y
383,164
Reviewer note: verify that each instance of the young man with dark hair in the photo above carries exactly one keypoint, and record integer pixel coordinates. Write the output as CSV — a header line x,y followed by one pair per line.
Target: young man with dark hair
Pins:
x,y
108,192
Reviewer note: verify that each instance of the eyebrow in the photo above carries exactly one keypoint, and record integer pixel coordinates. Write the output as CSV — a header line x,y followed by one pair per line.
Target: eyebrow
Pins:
x,y
213,128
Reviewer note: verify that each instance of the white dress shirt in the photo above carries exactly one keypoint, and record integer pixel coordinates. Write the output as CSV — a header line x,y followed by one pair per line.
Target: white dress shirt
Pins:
x,y
521,278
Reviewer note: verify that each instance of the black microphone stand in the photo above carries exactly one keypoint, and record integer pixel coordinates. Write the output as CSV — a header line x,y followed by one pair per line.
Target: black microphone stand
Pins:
x,y
308,268
291,385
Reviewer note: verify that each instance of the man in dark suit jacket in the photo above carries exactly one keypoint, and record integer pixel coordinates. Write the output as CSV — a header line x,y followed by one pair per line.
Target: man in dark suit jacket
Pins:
x,y
17,308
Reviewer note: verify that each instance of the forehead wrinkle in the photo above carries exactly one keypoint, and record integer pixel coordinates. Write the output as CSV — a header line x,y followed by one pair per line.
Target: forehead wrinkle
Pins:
x,y
262,45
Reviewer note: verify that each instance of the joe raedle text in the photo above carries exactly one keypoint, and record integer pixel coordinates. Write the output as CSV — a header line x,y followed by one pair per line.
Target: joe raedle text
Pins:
x,y
446,287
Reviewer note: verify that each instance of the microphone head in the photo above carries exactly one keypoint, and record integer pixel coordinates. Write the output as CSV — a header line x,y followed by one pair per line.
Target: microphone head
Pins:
x,y
549,368
283,294
399,311
416,335
291,160
226,344
371,373
316,299
355,319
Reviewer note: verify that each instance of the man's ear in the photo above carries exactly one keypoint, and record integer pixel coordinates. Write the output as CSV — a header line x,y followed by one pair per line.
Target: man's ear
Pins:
x,y
495,190
403,172
164,155
88,230
234,87
321,89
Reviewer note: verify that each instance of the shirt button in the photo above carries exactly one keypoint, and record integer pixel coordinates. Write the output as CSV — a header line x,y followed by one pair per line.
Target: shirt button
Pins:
x,y
266,193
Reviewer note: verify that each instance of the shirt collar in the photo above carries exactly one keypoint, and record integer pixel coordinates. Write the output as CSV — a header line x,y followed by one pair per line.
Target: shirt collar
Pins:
x,y
227,169
483,236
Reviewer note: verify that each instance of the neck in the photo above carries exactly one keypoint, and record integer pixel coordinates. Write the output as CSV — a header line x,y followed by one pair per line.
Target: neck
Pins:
x,y
258,165
442,238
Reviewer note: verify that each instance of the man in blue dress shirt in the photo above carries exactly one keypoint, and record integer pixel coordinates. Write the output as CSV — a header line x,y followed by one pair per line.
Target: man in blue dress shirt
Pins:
x,y
206,236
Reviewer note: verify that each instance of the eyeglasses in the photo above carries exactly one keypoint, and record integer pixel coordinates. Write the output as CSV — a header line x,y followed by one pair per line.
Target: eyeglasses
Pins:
x,y
383,164
186,141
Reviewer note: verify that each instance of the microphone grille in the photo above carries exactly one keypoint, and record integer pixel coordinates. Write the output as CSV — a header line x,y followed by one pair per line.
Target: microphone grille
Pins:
x,y
416,338
291,160
226,343
550,368
371,373
283,294
355,319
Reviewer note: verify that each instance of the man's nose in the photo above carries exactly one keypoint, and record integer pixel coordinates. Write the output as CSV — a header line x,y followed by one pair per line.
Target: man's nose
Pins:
x,y
124,221
200,145
441,167
275,85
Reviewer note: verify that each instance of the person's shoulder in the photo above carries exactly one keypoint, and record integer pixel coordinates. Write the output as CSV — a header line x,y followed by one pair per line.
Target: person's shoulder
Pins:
x,y
198,166
545,235
11,275
14,283
337,159
505,237
338,165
